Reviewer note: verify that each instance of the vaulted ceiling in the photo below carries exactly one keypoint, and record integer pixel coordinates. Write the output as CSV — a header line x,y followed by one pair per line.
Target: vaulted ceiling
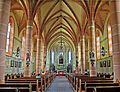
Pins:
x,y
61,19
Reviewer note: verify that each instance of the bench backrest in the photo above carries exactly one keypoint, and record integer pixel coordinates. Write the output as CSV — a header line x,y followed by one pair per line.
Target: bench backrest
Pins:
x,y
103,89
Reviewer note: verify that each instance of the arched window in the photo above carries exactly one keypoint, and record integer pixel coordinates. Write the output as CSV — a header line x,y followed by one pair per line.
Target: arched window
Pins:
x,y
53,57
10,35
98,47
70,56
110,40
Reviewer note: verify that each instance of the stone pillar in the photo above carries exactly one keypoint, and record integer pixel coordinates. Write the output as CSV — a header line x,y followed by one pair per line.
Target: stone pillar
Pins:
x,y
83,55
41,54
44,58
38,56
115,25
92,51
27,72
79,57
4,17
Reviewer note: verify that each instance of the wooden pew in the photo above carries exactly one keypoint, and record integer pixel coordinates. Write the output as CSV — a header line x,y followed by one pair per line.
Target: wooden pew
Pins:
x,y
37,85
33,82
15,89
103,89
79,82
97,83
101,84
82,86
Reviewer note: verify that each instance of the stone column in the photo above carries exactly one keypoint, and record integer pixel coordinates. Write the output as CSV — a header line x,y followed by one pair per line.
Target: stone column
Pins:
x,y
115,25
27,72
92,51
38,56
44,58
83,55
4,17
79,57
41,53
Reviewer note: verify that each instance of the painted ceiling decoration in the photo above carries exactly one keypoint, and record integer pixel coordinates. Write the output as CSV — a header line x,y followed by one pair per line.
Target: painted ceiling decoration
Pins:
x,y
51,17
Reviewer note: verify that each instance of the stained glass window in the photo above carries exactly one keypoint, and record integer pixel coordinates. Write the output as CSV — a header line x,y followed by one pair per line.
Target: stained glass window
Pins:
x,y
98,47
8,37
70,56
110,40
52,57
23,48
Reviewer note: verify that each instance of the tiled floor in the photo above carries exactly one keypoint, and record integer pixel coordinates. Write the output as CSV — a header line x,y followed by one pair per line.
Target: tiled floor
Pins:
x,y
60,84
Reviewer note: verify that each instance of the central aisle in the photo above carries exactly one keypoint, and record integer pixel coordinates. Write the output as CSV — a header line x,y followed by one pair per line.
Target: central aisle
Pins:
x,y
60,84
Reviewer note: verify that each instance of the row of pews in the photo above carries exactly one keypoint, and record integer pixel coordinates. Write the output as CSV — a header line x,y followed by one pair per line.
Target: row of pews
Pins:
x,y
105,75
27,84
13,76
83,83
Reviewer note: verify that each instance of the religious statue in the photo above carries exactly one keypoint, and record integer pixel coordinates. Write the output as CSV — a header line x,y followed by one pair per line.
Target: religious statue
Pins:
x,y
103,52
18,52
28,58
77,61
92,57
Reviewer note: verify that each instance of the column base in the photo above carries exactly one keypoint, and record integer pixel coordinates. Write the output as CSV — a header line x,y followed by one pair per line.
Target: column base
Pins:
x,y
116,72
27,72
93,73
2,81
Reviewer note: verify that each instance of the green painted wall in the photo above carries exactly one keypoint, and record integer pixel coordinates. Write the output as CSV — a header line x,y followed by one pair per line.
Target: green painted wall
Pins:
x,y
106,58
33,62
14,64
105,65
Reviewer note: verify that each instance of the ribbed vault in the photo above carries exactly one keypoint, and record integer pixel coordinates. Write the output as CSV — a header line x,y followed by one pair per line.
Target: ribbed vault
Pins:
x,y
69,19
